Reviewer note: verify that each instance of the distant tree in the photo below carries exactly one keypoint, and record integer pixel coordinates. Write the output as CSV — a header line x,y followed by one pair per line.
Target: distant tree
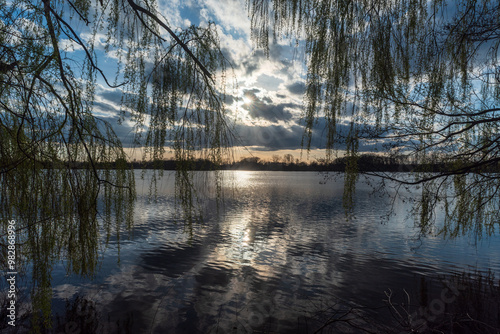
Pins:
x,y
276,158
288,158
172,83
419,78
252,160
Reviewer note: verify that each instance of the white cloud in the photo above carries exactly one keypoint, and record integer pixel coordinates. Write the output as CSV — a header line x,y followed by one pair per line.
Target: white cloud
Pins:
x,y
230,14
269,82
171,11
69,46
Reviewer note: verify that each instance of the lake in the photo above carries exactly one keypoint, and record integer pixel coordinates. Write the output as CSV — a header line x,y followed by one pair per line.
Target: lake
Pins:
x,y
280,256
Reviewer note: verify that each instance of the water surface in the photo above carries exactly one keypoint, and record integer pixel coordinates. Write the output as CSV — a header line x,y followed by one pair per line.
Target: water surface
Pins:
x,y
280,256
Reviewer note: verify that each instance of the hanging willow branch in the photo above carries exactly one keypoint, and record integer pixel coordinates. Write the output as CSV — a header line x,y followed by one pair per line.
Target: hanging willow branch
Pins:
x,y
64,171
418,80
138,9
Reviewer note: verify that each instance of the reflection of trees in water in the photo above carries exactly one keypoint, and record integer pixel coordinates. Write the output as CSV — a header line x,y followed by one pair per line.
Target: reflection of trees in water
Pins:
x,y
477,308
64,174
58,218
82,316
465,303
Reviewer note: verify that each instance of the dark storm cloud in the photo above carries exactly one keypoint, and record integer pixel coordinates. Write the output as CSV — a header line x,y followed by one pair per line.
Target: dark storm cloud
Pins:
x,y
269,138
230,99
264,109
252,62
267,99
264,138
280,137
269,112
113,96
319,137
276,54
252,91
123,131
276,137
297,88
103,124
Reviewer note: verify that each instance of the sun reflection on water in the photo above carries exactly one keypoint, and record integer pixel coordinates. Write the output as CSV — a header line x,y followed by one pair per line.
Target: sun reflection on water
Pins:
x,y
242,178
246,238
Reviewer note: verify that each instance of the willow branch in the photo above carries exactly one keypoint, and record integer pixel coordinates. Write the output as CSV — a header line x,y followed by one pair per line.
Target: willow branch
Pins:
x,y
138,8
79,41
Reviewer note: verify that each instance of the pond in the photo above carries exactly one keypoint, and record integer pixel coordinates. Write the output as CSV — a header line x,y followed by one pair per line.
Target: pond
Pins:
x,y
279,256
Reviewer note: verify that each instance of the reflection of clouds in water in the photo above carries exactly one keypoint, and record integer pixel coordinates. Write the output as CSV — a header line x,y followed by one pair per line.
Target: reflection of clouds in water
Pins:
x,y
149,296
279,238
65,291
281,247
283,256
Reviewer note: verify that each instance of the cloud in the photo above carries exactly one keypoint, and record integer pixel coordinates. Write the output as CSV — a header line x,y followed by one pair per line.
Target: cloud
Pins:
x,y
282,137
268,82
104,108
230,99
251,92
124,131
110,95
297,88
267,99
231,14
171,11
69,45
278,62
264,109
269,138
273,84
251,63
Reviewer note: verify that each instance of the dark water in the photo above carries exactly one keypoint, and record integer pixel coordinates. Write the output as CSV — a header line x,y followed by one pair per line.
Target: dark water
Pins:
x,y
280,258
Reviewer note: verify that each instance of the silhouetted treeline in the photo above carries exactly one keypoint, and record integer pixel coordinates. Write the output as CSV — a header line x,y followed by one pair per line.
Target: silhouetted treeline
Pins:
x,y
365,163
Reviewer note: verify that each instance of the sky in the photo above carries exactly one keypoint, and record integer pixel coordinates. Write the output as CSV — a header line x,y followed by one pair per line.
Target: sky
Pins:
x,y
265,108
267,105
